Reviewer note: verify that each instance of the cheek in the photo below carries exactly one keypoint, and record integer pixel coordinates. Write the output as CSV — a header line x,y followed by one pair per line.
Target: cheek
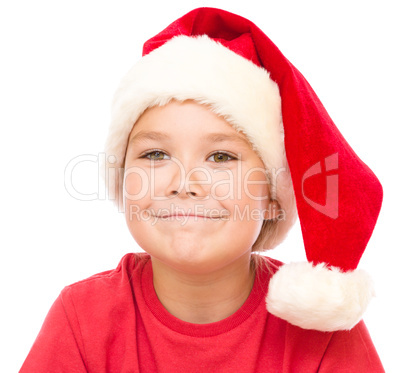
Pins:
x,y
255,184
136,196
223,186
239,185
249,205
252,189
136,183
256,195
141,224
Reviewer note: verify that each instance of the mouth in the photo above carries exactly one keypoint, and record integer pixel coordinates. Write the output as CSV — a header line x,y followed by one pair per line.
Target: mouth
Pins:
x,y
192,214
183,216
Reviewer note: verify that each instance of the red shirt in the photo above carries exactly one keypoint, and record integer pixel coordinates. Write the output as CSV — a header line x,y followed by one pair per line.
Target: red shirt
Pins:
x,y
114,322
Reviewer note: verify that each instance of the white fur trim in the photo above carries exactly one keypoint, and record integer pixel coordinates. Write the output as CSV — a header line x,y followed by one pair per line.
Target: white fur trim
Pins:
x,y
203,70
317,297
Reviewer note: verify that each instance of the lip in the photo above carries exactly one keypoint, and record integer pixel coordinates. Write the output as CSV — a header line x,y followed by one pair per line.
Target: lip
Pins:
x,y
188,216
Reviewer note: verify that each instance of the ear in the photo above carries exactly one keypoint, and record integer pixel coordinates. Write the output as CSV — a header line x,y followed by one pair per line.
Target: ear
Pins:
x,y
272,211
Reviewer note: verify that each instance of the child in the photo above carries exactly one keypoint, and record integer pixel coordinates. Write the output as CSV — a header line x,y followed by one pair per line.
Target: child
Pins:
x,y
196,158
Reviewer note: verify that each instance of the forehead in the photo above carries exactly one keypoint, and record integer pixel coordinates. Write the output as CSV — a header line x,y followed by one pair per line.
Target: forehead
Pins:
x,y
186,119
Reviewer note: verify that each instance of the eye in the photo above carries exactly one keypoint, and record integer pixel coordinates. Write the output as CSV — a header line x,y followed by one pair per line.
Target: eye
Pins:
x,y
221,157
155,155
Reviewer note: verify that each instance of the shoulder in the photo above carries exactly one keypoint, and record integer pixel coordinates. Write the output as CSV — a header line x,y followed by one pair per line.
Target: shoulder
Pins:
x,y
129,262
91,320
107,287
266,264
274,264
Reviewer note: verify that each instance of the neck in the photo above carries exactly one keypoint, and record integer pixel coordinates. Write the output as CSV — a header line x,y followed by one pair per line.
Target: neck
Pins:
x,y
203,298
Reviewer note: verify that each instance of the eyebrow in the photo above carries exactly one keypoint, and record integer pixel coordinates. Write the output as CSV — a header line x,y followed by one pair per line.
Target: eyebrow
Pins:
x,y
212,137
150,135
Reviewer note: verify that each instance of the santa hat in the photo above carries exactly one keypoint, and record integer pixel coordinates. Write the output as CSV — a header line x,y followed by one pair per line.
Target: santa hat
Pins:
x,y
225,61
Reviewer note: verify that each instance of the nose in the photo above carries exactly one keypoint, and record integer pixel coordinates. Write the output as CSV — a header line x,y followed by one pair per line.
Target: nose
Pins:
x,y
190,183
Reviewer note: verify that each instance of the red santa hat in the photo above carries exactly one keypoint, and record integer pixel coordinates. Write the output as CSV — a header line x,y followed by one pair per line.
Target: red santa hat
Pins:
x,y
223,60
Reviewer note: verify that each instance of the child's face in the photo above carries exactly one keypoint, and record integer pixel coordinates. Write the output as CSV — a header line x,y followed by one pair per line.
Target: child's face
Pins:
x,y
195,190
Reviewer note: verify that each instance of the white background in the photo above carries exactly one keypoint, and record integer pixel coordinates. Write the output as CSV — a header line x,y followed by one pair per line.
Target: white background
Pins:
x,y
60,64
